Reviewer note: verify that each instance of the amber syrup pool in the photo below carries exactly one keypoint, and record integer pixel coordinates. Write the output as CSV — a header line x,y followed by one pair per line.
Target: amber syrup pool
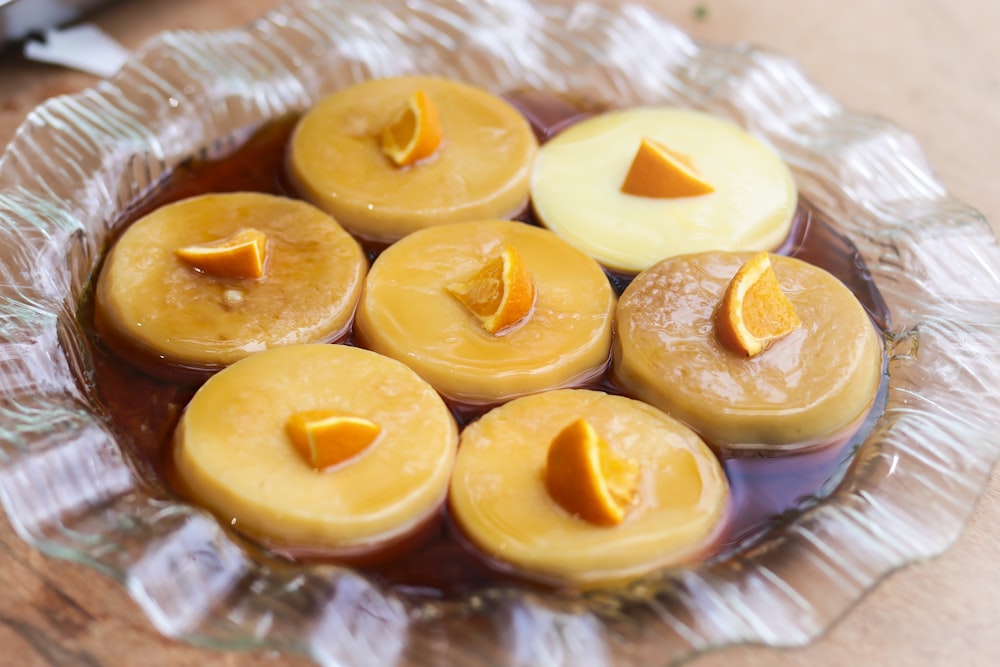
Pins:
x,y
767,490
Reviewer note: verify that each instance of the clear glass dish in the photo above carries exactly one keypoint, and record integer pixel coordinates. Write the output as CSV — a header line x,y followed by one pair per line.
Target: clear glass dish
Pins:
x,y
71,490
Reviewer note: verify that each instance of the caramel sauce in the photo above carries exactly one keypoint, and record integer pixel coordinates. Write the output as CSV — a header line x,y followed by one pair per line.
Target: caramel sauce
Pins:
x,y
435,561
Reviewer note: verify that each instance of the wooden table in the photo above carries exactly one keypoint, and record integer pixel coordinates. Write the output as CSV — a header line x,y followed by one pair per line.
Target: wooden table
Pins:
x,y
930,66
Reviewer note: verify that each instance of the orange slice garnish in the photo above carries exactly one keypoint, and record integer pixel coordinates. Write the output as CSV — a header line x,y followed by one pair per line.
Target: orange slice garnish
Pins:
x,y
660,173
754,311
325,438
586,478
415,133
240,255
500,294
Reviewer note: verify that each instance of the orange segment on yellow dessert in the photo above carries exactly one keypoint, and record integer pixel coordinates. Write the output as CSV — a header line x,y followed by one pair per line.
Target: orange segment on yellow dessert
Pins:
x,y
154,310
326,438
810,387
479,168
233,456
500,294
754,311
586,478
240,255
415,133
408,313
658,172
703,183
669,487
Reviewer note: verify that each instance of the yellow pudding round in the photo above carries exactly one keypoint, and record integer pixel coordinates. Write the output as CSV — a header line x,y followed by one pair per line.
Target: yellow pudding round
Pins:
x,y
500,501
408,313
576,188
807,387
153,306
480,170
233,453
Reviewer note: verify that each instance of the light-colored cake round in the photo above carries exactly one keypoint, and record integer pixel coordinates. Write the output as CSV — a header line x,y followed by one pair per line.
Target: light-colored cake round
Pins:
x,y
500,498
747,196
809,385
480,169
234,454
154,303
410,312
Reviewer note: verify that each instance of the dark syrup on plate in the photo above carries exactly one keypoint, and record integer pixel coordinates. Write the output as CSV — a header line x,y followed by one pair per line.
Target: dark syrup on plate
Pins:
x,y
767,490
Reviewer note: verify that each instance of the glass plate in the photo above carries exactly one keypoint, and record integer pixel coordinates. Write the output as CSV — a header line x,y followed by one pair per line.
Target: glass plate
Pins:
x,y
71,490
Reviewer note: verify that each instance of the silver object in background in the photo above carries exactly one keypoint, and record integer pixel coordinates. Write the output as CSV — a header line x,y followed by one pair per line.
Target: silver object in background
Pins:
x,y
20,18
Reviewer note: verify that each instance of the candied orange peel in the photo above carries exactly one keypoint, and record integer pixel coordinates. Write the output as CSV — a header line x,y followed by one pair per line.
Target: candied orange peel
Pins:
x,y
326,438
500,294
415,133
586,478
239,255
754,311
660,173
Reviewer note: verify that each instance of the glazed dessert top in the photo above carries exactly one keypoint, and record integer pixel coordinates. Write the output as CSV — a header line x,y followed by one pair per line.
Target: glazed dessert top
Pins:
x,y
499,496
577,185
480,169
407,312
819,378
234,454
150,300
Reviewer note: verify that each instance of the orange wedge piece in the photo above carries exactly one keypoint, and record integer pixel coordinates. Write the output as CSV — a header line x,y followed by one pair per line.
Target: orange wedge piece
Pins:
x,y
754,311
415,133
500,294
586,478
325,438
660,173
240,255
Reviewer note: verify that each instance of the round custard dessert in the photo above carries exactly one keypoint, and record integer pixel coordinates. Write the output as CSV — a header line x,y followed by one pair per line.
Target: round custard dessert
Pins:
x,y
201,283
326,447
489,310
390,156
636,186
818,378
527,487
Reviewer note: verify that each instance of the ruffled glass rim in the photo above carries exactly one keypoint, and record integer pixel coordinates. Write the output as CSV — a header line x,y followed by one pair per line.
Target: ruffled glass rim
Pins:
x,y
70,490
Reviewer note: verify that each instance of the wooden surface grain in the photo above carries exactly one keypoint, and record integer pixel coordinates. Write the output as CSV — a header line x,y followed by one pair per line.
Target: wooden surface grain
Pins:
x,y
930,67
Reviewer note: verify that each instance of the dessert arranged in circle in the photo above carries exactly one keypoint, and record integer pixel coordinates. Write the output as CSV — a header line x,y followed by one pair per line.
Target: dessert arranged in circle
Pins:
x,y
489,310
349,451
391,156
577,486
636,186
320,446
201,283
749,350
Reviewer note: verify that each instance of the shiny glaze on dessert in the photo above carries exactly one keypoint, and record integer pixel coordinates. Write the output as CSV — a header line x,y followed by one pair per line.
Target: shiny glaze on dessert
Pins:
x,y
151,306
232,448
480,168
767,491
670,504
562,338
810,385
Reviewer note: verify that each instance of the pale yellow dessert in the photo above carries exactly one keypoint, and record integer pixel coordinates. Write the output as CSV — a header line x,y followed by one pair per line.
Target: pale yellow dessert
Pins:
x,y
667,497
203,282
390,156
676,350
421,305
636,186
238,447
